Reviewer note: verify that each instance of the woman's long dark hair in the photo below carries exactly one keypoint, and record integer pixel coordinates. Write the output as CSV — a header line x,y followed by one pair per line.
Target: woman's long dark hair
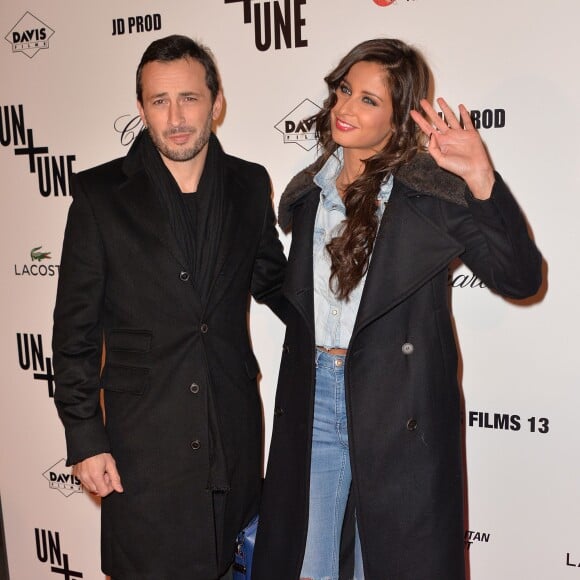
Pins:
x,y
407,78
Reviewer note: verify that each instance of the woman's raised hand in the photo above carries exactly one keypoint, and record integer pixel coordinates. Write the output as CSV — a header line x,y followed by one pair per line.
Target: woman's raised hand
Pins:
x,y
457,149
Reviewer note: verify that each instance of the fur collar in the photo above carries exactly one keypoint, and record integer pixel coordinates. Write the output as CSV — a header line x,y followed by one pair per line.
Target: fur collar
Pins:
x,y
420,175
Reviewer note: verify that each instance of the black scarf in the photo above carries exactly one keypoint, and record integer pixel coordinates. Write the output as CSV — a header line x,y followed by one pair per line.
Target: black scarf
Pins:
x,y
198,235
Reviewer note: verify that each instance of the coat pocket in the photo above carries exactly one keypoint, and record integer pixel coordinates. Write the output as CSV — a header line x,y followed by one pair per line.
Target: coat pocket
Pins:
x,y
129,340
125,379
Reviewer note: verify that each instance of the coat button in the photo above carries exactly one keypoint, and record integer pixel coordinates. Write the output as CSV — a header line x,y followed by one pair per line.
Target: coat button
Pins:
x,y
411,425
286,348
407,348
278,411
195,444
194,388
184,276
204,328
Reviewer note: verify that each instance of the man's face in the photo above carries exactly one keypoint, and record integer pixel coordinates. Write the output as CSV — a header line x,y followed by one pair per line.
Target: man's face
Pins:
x,y
177,107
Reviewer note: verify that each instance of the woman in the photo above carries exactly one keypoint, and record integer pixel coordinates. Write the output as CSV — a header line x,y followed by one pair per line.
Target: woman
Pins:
x,y
367,401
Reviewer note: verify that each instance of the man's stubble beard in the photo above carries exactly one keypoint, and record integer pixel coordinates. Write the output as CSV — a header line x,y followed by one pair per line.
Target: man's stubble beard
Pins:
x,y
178,154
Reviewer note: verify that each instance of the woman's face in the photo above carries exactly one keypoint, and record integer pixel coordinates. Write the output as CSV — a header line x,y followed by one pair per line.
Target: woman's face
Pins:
x,y
361,118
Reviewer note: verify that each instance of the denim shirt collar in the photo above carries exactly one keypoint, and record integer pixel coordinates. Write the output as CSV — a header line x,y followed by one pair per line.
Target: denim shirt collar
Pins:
x,y
326,180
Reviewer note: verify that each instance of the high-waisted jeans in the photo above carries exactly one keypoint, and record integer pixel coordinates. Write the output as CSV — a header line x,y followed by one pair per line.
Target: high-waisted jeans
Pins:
x,y
330,474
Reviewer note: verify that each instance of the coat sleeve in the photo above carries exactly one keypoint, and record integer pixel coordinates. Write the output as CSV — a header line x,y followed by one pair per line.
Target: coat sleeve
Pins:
x,y
77,332
498,247
270,266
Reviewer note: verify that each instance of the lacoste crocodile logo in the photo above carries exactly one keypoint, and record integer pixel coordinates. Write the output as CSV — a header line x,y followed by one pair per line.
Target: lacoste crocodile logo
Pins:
x,y
36,255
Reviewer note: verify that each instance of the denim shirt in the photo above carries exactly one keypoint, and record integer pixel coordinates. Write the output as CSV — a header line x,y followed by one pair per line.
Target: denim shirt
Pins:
x,y
334,319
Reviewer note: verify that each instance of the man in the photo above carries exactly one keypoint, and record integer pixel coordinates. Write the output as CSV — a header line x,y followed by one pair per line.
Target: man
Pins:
x,y
161,251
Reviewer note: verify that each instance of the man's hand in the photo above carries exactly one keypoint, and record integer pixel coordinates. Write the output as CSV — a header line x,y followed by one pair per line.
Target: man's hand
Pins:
x,y
99,474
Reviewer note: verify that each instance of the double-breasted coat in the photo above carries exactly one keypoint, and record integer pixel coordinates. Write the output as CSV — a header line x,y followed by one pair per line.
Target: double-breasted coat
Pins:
x,y
124,282
402,395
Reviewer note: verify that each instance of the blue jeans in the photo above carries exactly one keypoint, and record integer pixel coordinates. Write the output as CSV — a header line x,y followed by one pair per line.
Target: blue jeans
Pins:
x,y
330,474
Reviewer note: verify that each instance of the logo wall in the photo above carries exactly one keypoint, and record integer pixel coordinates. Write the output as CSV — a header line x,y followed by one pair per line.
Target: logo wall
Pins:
x,y
136,24
29,35
571,561
37,254
464,280
485,118
54,172
48,550
31,356
128,126
298,125
60,478
508,422
279,22
473,536
384,3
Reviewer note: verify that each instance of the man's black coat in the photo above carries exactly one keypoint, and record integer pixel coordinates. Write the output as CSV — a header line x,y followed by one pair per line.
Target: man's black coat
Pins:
x,y
124,285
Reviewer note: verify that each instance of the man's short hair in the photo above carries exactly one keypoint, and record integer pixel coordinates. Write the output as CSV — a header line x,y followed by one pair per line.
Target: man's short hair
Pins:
x,y
175,47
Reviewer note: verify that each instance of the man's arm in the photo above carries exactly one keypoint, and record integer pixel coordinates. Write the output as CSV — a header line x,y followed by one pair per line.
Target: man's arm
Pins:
x,y
77,344
270,267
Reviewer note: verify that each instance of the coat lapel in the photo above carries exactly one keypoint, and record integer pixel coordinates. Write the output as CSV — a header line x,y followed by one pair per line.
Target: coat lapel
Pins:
x,y
144,205
409,250
298,284
232,218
